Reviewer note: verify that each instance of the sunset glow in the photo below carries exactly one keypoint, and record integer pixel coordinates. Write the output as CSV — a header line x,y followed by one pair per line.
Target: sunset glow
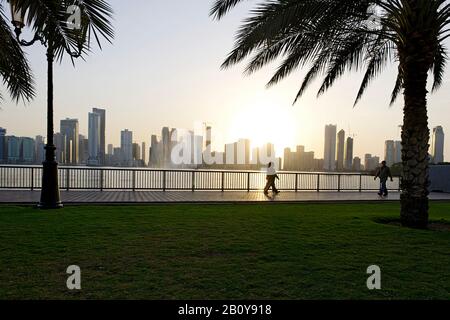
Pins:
x,y
265,122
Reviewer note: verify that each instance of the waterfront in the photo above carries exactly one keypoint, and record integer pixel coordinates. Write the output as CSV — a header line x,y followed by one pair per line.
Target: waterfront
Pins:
x,y
84,178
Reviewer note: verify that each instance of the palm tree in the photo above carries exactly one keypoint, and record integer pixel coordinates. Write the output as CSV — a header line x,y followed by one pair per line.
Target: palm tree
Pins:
x,y
333,36
52,23
14,68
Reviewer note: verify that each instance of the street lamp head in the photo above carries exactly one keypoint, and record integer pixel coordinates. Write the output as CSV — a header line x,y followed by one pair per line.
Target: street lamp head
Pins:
x,y
17,15
18,21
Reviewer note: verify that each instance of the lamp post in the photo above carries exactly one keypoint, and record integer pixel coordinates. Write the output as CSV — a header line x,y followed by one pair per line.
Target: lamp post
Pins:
x,y
50,195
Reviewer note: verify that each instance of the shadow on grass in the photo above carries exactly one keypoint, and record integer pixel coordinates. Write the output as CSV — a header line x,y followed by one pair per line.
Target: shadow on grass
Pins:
x,y
434,225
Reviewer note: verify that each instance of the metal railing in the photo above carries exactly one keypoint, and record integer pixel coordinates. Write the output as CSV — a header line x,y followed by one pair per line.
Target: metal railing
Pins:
x,y
81,178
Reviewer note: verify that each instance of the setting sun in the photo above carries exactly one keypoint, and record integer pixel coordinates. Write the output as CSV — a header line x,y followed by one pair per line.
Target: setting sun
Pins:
x,y
263,122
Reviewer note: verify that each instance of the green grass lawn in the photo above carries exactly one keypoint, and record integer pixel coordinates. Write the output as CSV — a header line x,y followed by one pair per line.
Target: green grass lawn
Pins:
x,y
221,252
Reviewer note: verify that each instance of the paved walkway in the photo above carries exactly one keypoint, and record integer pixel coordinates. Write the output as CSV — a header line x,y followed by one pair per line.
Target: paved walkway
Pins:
x,y
141,197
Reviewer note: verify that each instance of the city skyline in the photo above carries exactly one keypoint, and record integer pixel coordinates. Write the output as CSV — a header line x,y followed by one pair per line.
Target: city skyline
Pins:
x,y
73,148
150,93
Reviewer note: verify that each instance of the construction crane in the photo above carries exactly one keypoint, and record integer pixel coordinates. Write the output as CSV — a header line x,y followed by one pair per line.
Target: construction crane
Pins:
x,y
353,136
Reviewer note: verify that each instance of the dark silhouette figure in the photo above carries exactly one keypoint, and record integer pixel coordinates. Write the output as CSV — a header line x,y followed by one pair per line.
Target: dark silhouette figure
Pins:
x,y
383,172
271,176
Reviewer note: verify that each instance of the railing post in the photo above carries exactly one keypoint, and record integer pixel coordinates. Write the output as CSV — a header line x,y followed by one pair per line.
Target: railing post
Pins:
x,y
164,180
248,181
296,182
134,180
101,179
360,183
193,181
339,183
32,179
318,182
223,181
67,179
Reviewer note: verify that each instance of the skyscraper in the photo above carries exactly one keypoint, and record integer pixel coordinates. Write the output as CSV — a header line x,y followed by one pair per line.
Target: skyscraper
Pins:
x,y
243,152
208,135
371,162
340,155
307,161
83,149
40,151
3,146
60,144
357,164
256,161
299,159
94,139
165,134
27,150
144,153
173,141
109,157
136,152
389,152
14,151
367,159
398,152
102,128
349,154
267,154
126,145
117,156
437,145
330,148
154,157
70,129
110,149
288,159
230,154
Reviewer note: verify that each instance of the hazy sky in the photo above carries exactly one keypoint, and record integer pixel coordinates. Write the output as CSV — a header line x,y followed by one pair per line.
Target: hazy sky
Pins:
x,y
163,69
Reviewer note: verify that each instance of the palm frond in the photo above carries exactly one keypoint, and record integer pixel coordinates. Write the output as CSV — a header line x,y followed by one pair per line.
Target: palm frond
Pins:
x,y
333,37
397,89
14,68
318,66
348,56
440,61
222,7
378,56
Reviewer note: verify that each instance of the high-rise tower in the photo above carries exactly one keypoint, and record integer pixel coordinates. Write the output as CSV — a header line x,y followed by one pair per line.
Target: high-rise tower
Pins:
x,y
437,145
330,148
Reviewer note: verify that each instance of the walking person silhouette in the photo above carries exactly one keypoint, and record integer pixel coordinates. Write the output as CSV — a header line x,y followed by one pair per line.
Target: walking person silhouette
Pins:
x,y
271,176
383,172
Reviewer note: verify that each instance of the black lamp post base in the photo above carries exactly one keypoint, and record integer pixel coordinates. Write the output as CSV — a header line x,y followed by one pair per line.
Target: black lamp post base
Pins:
x,y
44,206
50,206
50,196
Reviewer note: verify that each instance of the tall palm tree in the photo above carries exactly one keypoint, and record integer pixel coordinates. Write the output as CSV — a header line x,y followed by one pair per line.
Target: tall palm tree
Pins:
x,y
14,69
333,36
55,25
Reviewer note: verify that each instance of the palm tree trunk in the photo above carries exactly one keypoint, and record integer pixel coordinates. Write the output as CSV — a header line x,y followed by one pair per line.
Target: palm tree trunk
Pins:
x,y
414,66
